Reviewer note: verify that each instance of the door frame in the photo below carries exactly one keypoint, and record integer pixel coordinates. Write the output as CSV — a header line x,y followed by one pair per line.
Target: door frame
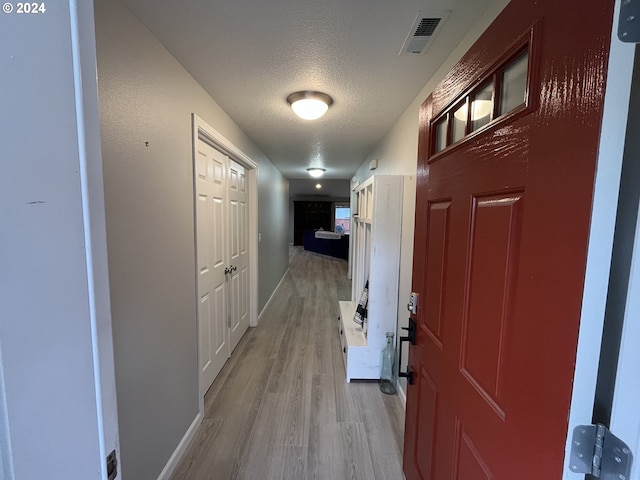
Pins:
x,y
200,128
599,253
625,414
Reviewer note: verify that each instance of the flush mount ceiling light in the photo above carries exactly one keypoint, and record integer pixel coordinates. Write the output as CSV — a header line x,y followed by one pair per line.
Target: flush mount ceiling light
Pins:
x,y
316,172
318,186
479,109
308,104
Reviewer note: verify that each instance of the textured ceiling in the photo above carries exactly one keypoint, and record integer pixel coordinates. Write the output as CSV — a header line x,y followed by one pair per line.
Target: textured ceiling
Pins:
x,y
250,55
306,187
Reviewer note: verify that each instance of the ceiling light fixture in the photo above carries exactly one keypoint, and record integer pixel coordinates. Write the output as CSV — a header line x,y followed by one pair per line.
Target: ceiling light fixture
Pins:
x,y
318,186
479,109
308,104
316,172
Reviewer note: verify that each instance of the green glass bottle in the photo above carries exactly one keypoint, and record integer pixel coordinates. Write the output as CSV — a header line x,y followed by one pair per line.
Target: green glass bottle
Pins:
x,y
387,372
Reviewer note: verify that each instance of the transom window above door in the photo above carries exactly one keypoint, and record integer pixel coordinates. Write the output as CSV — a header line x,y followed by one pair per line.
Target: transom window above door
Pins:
x,y
500,94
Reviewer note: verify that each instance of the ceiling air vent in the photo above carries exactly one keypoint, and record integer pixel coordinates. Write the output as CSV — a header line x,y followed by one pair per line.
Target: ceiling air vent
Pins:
x,y
424,29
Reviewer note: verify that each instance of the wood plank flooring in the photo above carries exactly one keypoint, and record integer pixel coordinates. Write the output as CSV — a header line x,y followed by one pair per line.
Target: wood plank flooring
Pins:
x,y
281,409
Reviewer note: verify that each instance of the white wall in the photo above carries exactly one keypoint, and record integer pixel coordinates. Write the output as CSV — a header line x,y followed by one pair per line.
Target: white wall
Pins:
x,y
397,155
57,397
146,96
273,221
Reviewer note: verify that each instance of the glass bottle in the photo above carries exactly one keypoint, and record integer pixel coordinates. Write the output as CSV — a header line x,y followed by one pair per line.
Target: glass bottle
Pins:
x,y
387,373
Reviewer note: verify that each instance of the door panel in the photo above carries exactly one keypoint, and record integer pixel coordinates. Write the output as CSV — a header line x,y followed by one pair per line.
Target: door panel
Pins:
x,y
212,287
502,220
428,413
469,463
238,252
436,267
493,255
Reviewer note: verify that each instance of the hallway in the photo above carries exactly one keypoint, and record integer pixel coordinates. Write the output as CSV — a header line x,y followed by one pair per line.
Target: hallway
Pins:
x,y
281,409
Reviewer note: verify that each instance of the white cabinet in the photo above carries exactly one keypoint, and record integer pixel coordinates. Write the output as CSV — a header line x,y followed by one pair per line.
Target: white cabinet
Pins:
x,y
375,228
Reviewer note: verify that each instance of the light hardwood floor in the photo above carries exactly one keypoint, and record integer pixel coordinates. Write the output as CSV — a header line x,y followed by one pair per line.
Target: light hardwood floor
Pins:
x,y
281,409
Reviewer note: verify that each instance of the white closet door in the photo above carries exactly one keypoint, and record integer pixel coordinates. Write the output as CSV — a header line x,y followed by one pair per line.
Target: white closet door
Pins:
x,y
238,252
211,251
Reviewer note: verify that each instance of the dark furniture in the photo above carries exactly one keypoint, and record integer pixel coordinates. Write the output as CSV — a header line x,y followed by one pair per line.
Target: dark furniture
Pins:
x,y
327,246
310,216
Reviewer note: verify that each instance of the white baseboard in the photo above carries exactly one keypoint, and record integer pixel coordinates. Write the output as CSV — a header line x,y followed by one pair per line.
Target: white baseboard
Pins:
x,y
180,449
266,305
403,396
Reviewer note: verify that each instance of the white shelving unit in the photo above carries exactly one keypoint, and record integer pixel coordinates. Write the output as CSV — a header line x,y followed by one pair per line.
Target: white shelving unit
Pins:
x,y
375,229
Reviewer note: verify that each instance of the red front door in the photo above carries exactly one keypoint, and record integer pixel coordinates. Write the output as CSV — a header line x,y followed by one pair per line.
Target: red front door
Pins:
x,y
503,210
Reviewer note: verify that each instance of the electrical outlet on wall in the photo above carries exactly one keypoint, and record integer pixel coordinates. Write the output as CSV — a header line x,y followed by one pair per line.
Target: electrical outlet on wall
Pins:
x,y
259,237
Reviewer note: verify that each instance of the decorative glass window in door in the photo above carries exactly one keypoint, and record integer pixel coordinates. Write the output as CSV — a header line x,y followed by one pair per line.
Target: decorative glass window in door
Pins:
x,y
503,92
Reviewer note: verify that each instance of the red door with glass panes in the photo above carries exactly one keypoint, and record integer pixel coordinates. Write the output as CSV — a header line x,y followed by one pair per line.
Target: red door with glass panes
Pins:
x,y
507,154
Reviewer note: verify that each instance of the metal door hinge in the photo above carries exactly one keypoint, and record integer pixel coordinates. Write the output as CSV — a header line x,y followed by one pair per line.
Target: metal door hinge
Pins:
x,y
112,465
629,21
597,451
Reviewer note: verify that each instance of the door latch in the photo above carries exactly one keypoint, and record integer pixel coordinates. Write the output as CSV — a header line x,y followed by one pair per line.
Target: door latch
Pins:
x,y
411,337
597,451
412,306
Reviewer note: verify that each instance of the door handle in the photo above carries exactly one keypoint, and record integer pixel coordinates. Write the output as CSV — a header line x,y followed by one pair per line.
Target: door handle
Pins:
x,y
230,269
411,337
